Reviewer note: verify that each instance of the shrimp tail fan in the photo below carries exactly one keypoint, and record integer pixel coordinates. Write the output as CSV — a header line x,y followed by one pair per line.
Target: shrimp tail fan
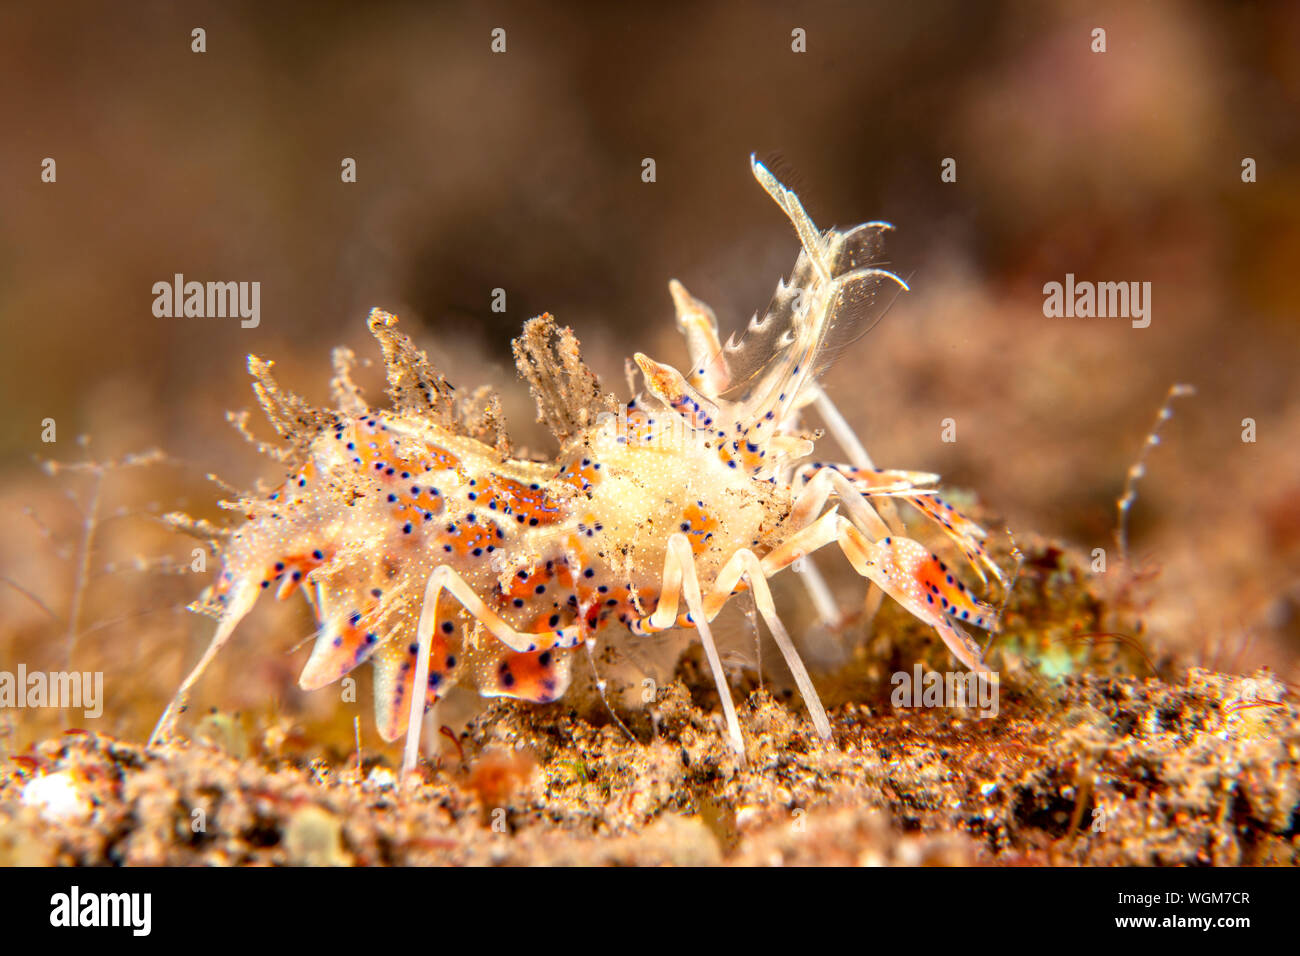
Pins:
x,y
835,295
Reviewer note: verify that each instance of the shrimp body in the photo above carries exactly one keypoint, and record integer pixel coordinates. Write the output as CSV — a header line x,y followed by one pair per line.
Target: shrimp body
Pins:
x,y
431,552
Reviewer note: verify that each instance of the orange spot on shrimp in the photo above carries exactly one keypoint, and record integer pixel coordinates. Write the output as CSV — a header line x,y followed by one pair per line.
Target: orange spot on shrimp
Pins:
x,y
540,677
943,591
394,665
699,526
529,506
582,474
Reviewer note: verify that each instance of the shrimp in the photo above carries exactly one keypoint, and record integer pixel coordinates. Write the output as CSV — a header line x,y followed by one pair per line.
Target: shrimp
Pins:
x,y
426,548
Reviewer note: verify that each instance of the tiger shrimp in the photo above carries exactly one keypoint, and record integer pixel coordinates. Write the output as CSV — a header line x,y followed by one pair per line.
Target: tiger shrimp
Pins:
x,y
425,548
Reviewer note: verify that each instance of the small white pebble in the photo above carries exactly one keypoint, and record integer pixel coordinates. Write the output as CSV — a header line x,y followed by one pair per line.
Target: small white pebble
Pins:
x,y
746,815
381,777
58,797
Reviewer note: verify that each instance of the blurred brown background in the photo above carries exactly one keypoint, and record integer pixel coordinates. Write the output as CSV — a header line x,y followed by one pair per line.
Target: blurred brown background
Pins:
x,y
522,171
